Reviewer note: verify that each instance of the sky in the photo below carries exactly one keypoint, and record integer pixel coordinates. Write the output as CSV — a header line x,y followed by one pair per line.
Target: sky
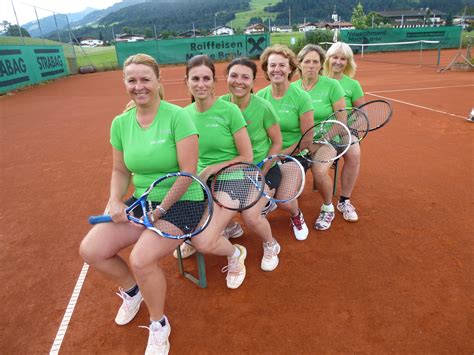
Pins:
x,y
26,12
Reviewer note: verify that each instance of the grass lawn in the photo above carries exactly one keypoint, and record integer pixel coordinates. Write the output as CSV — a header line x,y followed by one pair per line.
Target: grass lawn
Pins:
x,y
256,10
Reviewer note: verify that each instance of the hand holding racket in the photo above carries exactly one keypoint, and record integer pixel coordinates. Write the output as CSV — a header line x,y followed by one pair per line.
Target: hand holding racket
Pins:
x,y
285,174
378,113
330,139
176,206
237,186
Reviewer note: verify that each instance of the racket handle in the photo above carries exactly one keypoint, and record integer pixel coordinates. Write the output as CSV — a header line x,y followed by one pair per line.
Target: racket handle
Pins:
x,y
100,219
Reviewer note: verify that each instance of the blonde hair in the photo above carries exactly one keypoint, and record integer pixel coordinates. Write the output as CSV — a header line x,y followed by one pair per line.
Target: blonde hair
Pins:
x,y
283,51
149,61
346,51
308,49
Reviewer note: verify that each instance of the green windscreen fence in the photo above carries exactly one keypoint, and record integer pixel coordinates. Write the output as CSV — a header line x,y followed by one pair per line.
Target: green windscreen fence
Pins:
x,y
170,51
26,65
448,37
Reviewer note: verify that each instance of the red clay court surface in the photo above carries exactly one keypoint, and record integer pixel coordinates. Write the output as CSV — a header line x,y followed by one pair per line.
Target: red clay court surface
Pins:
x,y
398,281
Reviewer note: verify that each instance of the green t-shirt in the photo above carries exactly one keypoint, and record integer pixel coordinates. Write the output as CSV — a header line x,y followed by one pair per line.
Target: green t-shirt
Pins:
x,y
352,90
289,108
150,153
324,95
216,128
260,116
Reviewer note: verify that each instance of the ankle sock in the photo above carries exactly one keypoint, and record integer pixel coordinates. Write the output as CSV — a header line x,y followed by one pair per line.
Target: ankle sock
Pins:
x,y
236,253
343,198
154,324
132,291
327,208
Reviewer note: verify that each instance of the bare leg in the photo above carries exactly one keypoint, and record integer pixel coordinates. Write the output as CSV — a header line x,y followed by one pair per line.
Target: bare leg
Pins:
x,y
100,246
350,170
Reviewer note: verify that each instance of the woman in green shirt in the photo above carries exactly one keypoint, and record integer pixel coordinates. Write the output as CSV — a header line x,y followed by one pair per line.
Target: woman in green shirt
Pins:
x,y
150,139
327,96
223,139
294,109
340,65
265,135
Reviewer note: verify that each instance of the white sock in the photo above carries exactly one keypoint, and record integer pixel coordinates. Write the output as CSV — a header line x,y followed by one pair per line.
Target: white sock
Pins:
x,y
327,208
236,253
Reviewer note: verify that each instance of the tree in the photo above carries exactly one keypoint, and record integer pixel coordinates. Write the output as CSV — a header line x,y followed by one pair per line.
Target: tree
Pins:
x,y
148,33
373,19
127,30
358,17
255,20
15,32
449,19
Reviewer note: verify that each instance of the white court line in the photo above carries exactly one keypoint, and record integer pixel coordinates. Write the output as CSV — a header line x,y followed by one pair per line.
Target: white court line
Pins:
x,y
69,310
428,88
410,104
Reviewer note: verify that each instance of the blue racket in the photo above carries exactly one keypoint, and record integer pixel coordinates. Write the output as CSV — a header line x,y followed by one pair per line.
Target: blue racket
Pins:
x,y
176,206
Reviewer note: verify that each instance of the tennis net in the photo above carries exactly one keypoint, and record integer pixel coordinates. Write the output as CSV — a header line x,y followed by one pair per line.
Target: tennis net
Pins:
x,y
423,52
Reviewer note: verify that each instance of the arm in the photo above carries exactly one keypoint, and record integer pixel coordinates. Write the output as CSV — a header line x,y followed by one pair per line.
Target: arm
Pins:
x,y
358,102
119,183
244,148
306,122
274,133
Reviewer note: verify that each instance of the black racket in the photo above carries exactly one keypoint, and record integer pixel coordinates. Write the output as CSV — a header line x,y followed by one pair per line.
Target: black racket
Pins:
x,y
237,186
355,119
176,206
378,113
325,142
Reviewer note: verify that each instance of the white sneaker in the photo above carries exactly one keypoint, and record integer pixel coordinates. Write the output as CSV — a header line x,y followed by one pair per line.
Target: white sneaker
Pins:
x,y
326,215
186,250
300,230
158,338
236,268
348,211
269,207
270,256
234,231
129,308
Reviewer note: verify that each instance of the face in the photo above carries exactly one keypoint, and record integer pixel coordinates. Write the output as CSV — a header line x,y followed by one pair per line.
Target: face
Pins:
x,y
200,82
278,68
141,83
240,80
311,65
337,63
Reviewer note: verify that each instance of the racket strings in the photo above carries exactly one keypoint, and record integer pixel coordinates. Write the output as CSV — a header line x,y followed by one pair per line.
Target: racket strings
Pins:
x,y
292,180
238,186
185,202
331,139
378,113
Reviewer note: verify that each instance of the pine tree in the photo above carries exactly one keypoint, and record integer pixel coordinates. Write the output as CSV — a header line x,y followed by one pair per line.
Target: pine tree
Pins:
x,y
358,17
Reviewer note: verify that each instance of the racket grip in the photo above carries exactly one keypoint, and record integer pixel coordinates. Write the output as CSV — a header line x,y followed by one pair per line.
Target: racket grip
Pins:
x,y
100,219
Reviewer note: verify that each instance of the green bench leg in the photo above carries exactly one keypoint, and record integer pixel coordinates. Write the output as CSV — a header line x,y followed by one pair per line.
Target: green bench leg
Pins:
x,y
201,280
335,166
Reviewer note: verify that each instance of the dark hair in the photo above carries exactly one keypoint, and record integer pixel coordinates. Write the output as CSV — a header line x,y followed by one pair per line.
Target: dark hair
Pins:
x,y
199,60
245,62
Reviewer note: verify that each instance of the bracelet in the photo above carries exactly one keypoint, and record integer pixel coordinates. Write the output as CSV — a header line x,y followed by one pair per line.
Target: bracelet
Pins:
x,y
161,209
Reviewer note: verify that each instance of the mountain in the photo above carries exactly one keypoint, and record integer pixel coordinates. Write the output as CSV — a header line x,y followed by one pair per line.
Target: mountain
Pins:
x,y
48,24
176,16
94,17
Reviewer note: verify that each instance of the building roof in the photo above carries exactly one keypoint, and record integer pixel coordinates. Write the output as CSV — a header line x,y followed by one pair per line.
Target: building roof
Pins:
x,y
405,13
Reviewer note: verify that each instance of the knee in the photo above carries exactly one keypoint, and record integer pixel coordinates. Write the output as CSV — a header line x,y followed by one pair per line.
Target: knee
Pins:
x,y
205,245
141,265
89,253
253,220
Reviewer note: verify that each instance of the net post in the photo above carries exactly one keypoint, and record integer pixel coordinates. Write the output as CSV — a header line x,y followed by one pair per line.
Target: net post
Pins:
x,y
439,54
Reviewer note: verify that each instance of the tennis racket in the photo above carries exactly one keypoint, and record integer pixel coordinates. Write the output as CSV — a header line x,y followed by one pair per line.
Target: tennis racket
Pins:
x,y
176,206
285,174
355,119
378,113
237,186
325,142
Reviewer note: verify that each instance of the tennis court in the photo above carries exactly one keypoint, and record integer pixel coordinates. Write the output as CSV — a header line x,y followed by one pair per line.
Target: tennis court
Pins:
x,y
398,281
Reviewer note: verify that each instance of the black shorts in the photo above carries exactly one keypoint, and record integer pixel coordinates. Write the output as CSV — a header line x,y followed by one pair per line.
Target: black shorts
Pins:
x,y
304,162
273,177
178,214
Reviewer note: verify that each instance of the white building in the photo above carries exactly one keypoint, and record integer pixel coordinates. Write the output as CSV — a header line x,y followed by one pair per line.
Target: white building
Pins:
x,y
307,27
129,38
284,29
222,30
257,28
91,42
